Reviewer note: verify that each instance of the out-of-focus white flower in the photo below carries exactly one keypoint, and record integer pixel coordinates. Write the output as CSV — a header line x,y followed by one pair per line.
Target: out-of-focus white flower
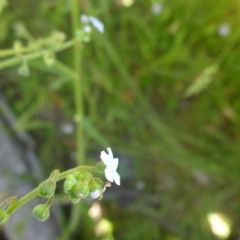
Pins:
x,y
224,30
87,20
111,166
84,18
67,128
127,3
156,8
140,185
95,211
87,29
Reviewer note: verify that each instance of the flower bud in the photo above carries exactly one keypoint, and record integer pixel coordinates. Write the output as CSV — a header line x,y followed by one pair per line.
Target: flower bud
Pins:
x,y
71,180
47,188
82,190
3,217
69,183
96,190
72,196
41,212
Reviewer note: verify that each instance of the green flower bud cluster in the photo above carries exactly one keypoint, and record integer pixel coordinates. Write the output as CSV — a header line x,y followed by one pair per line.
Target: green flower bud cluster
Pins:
x,y
81,185
76,185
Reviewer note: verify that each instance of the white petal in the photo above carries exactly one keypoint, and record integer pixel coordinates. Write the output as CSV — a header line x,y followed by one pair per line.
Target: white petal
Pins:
x,y
108,174
97,24
110,152
105,158
114,164
84,18
116,178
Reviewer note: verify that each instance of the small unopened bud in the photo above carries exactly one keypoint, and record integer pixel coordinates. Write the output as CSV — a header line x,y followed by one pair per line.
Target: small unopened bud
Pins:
x,y
41,212
96,190
47,188
82,190
71,180
73,198
3,217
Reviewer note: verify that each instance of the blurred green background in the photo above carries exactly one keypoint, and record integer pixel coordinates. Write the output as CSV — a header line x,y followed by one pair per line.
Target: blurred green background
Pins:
x,y
160,87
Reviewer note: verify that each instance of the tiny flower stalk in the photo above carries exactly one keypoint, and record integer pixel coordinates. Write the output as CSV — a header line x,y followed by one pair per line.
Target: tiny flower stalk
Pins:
x,y
79,184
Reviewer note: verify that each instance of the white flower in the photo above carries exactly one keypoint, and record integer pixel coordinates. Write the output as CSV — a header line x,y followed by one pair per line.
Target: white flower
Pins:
x,y
156,8
224,30
111,166
67,128
94,21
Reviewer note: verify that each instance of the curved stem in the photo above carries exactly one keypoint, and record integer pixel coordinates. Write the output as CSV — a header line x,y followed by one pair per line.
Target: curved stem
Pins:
x,y
28,197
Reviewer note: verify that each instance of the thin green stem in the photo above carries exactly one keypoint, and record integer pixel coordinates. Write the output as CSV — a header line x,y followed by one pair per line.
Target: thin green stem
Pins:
x,y
78,84
28,197
75,213
8,52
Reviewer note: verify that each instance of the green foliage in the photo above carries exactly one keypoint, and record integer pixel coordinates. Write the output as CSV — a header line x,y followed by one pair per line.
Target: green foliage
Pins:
x,y
162,89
